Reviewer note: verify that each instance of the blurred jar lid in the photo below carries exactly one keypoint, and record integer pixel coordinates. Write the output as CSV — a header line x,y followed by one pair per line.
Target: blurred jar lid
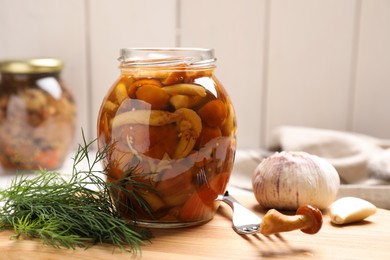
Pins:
x,y
31,66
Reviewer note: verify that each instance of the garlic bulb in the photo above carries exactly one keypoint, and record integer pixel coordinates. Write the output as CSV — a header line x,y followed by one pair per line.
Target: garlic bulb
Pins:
x,y
288,180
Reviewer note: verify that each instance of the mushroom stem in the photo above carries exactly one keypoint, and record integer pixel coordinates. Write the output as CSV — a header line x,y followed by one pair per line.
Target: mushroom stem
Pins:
x,y
308,219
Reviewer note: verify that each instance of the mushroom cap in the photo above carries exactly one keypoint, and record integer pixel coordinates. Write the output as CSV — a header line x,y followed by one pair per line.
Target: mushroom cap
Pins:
x,y
315,216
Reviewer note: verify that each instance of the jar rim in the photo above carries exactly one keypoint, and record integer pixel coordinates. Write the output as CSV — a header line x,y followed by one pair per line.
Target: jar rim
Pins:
x,y
160,57
31,66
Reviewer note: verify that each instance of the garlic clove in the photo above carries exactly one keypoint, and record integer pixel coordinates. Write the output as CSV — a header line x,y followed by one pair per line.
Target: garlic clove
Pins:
x,y
350,209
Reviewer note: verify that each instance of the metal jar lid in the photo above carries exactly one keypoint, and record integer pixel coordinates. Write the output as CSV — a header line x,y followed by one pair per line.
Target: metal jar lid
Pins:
x,y
31,66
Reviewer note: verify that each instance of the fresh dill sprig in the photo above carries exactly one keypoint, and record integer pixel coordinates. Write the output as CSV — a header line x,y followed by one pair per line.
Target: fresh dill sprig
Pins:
x,y
72,212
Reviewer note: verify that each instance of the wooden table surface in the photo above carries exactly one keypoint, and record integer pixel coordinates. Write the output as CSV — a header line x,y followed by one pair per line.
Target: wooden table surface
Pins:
x,y
369,239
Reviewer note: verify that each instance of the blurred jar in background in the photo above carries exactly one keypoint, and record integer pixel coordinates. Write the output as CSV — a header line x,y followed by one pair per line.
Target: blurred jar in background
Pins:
x,y
37,115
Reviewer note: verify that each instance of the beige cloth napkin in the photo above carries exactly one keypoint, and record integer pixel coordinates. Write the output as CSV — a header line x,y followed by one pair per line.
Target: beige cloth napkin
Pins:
x,y
245,163
356,157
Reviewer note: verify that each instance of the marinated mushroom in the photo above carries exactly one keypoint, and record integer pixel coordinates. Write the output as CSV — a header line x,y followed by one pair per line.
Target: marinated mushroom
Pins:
x,y
308,219
190,126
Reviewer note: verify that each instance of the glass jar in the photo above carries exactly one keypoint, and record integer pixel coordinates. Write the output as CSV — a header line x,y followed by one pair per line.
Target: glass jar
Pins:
x,y
171,131
37,115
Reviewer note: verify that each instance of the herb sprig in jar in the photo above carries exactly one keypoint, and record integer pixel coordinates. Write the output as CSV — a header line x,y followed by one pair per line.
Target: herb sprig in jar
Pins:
x,y
71,212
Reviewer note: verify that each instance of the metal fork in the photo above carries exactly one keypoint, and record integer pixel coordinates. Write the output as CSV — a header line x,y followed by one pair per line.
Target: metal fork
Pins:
x,y
244,221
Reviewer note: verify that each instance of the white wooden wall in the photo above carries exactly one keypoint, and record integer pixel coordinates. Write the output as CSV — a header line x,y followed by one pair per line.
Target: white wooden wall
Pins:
x,y
319,63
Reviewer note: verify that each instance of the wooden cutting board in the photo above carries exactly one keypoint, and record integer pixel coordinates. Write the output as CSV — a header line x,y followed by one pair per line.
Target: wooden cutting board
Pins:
x,y
369,239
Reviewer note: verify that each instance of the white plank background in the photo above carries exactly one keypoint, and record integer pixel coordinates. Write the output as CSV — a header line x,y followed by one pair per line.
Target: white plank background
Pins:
x,y
319,63
309,68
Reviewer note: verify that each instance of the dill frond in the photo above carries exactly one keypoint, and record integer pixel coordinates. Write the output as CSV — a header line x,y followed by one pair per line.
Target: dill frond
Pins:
x,y
72,212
